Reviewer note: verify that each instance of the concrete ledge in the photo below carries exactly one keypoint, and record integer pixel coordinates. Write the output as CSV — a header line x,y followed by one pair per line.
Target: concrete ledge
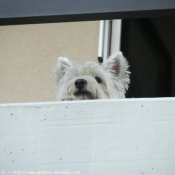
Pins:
x,y
115,137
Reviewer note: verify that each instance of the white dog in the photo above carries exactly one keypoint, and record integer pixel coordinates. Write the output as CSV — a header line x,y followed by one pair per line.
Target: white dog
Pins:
x,y
91,80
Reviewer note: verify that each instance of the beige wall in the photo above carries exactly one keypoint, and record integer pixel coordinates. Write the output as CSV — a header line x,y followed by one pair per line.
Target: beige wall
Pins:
x,y
28,54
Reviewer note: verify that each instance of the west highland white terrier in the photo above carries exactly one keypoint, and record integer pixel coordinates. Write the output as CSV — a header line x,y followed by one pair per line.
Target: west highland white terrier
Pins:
x,y
91,80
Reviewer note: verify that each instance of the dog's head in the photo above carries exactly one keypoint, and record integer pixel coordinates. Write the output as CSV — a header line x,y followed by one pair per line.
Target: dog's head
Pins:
x,y
91,80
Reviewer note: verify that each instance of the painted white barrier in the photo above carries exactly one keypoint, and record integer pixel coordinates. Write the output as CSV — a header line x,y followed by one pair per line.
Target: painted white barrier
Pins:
x,y
107,137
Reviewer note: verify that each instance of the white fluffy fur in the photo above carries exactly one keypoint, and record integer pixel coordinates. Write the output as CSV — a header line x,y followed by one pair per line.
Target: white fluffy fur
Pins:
x,y
113,73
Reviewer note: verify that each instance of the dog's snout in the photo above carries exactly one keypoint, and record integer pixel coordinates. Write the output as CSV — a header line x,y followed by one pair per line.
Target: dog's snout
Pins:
x,y
80,83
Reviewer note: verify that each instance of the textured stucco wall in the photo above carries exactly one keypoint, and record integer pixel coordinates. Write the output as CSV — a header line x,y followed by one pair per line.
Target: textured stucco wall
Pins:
x,y
28,54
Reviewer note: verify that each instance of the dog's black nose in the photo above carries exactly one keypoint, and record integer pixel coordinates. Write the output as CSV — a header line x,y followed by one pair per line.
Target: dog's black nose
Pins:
x,y
80,83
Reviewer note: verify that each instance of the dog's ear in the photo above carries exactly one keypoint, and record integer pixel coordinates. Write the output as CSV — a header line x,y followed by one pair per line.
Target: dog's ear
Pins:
x,y
63,65
118,66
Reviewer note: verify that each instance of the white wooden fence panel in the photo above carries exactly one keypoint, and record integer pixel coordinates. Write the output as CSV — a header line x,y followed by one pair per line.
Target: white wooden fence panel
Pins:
x,y
102,137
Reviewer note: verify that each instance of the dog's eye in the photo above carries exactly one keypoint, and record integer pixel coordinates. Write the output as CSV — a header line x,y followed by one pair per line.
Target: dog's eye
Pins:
x,y
98,79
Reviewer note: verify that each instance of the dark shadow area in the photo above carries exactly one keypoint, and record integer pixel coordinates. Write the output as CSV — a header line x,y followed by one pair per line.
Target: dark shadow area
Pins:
x,y
149,46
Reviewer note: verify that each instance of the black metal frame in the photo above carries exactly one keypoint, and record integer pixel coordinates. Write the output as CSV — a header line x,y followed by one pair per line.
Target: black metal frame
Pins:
x,y
48,11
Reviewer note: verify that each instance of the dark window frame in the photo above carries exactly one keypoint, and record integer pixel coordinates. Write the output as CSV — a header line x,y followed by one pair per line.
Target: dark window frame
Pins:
x,y
13,12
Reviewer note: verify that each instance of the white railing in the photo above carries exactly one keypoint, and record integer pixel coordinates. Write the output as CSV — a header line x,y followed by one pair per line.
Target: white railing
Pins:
x,y
103,137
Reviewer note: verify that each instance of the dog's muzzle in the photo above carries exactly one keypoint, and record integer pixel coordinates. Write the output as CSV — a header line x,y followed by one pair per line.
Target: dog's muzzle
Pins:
x,y
80,83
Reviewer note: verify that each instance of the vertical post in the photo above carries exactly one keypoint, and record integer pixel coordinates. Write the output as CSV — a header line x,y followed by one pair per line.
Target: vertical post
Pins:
x,y
107,39
104,40
116,36
101,40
